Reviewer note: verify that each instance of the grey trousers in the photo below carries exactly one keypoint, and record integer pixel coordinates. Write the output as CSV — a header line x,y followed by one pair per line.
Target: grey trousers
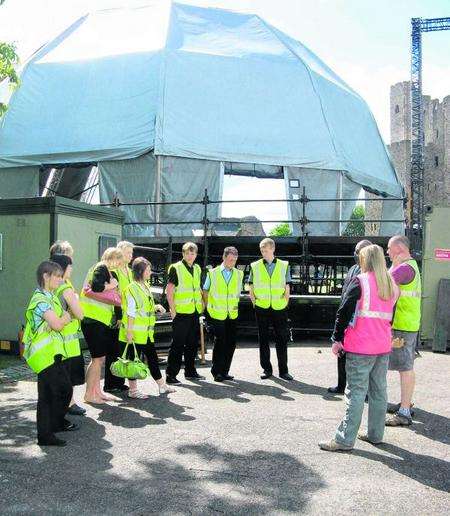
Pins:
x,y
366,374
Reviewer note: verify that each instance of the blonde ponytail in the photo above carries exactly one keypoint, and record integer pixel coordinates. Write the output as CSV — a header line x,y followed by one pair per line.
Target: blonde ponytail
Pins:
x,y
372,260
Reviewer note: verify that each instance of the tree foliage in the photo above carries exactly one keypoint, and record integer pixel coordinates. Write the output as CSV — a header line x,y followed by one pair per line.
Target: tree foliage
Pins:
x,y
356,226
281,230
8,63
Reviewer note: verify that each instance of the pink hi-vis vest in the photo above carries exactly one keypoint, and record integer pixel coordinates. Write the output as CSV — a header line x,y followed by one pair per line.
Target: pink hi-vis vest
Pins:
x,y
370,330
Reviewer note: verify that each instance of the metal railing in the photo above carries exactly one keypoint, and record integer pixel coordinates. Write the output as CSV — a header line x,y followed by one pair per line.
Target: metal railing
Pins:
x,y
330,274
303,221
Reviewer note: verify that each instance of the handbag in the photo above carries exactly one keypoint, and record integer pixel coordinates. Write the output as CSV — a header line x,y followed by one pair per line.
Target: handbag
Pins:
x,y
132,369
109,297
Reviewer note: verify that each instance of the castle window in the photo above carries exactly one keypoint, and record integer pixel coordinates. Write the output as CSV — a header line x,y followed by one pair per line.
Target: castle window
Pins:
x,y
397,109
437,134
436,161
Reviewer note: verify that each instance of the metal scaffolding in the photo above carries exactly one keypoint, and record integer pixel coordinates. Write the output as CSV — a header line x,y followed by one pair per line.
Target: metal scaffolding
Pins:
x,y
419,25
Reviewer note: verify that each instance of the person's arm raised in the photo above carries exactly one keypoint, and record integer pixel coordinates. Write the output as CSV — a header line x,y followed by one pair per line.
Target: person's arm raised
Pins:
x,y
73,303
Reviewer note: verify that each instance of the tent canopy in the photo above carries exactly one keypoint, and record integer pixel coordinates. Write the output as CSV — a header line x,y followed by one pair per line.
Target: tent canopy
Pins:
x,y
189,82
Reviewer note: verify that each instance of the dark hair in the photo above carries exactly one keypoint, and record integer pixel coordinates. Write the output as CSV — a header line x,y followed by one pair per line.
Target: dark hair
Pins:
x,y
139,265
230,250
47,268
62,260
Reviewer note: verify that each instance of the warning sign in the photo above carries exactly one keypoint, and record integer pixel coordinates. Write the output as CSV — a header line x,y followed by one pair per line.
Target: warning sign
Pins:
x,y
442,254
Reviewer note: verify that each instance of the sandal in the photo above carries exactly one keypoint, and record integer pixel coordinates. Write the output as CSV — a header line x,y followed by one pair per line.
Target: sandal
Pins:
x,y
137,394
166,389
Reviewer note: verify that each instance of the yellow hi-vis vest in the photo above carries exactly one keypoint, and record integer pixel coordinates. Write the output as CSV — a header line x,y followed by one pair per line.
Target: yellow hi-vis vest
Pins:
x,y
187,295
71,332
407,309
95,309
124,279
223,297
144,322
42,344
269,290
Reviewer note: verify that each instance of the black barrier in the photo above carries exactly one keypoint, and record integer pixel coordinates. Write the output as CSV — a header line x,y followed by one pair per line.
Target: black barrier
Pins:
x,y
305,257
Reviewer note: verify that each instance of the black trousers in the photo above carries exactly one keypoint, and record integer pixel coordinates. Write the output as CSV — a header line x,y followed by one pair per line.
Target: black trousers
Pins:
x,y
224,345
185,339
112,353
265,318
149,351
342,376
54,394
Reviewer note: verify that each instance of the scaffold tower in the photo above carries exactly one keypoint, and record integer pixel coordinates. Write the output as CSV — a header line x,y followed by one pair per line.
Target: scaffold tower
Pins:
x,y
419,25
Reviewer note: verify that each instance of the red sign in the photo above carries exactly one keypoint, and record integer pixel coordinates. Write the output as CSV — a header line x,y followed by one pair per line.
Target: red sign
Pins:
x,y
442,254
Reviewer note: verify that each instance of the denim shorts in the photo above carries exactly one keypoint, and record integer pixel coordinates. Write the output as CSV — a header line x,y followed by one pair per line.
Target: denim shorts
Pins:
x,y
402,359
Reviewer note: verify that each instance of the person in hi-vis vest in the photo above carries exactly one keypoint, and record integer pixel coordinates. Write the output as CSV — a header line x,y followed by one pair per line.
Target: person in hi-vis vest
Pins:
x,y
269,283
138,324
69,300
114,384
184,296
221,292
405,326
45,351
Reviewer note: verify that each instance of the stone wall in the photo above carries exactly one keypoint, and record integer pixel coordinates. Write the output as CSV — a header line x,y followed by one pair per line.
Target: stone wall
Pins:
x,y
437,143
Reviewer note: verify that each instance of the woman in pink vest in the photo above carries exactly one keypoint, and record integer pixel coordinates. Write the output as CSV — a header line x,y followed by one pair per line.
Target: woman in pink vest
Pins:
x,y
363,324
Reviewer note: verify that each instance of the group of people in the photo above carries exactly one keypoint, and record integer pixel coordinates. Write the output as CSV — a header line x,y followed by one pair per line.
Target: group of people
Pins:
x,y
116,308
376,329
218,295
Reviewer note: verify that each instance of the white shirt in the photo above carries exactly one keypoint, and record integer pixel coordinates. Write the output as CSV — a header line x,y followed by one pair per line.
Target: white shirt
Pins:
x,y
131,302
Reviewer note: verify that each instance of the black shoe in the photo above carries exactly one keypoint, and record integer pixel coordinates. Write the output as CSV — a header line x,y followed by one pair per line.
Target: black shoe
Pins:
x,y
266,375
219,378
286,376
68,426
336,390
194,376
172,380
228,377
75,410
51,441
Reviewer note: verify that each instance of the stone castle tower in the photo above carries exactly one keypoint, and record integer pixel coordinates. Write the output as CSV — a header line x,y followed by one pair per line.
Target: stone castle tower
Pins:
x,y
437,149
436,116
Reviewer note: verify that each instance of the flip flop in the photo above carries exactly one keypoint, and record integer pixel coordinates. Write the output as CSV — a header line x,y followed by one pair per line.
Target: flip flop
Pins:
x,y
137,395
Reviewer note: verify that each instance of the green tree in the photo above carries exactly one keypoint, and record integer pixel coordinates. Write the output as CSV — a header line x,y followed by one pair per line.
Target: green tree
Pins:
x,y
356,226
281,230
8,63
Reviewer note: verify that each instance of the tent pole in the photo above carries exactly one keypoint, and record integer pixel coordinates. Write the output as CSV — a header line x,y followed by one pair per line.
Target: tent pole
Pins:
x,y
340,202
158,195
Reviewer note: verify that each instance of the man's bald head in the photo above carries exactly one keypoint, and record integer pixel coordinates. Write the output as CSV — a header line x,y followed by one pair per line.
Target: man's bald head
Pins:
x,y
398,246
399,240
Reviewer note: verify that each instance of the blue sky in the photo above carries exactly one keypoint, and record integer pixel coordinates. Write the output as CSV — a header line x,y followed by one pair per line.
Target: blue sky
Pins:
x,y
367,43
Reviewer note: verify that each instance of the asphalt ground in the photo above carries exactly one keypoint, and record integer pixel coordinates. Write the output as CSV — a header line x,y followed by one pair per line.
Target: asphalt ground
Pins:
x,y
247,447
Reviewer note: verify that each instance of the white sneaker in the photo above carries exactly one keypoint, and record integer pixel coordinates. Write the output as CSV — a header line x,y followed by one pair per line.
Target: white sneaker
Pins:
x,y
165,389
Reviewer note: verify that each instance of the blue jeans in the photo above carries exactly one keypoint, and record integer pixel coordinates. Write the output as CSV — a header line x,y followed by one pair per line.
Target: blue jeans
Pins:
x,y
366,374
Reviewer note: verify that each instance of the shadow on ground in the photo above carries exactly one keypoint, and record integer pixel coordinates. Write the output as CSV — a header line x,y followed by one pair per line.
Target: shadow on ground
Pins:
x,y
427,470
194,479
198,478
